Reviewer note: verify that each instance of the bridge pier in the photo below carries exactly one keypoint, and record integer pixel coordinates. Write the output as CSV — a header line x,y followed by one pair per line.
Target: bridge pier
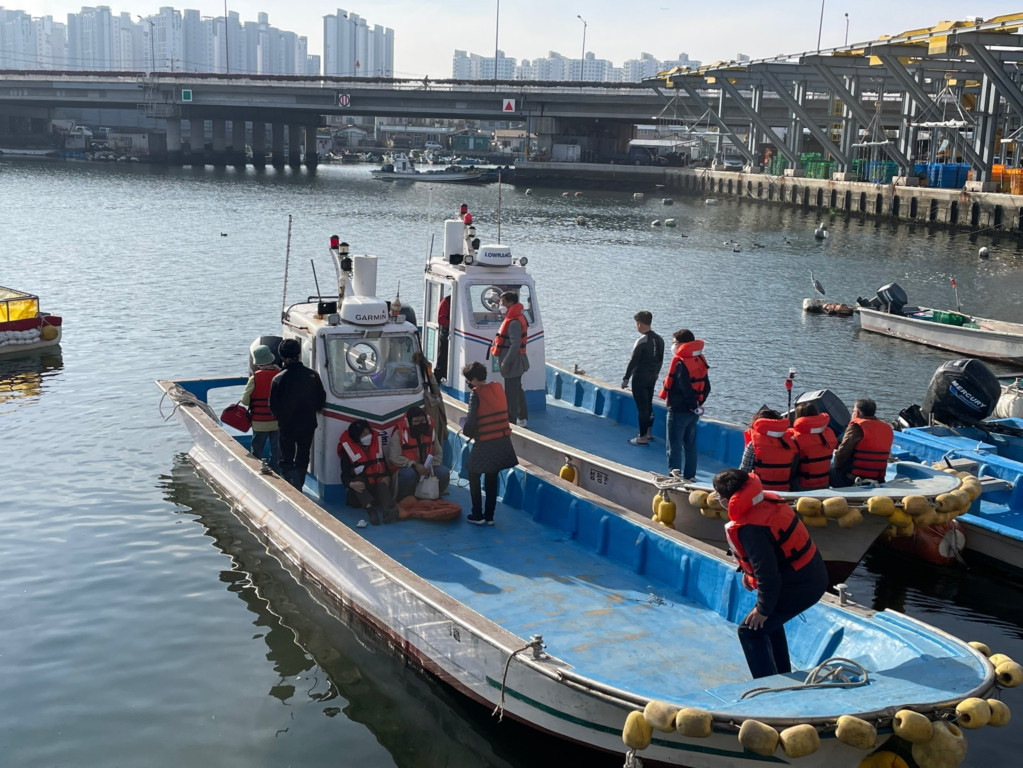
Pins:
x,y
258,144
312,159
236,155
197,142
174,155
295,146
277,145
218,157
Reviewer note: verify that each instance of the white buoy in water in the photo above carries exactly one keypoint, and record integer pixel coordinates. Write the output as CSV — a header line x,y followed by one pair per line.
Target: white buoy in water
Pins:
x,y
710,201
578,194
670,222
983,252
564,194
655,223
637,195
529,191
668,201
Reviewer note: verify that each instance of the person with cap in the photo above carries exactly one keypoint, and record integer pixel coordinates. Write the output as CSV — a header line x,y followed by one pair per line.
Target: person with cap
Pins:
x,y
296,397
486,423
364,472
257,397
414,452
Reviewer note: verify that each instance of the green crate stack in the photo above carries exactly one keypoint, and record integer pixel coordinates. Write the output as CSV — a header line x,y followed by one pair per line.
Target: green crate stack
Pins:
x,y
777,165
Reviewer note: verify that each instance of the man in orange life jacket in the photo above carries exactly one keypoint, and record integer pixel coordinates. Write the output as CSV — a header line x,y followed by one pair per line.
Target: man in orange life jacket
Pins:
x,y
413,451
816,445
509,348
771,452
257,397
685,389
486,424
777,559
864,448
365,473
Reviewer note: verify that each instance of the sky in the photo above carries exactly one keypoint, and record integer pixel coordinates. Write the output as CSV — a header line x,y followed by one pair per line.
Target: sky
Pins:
x,y
427,32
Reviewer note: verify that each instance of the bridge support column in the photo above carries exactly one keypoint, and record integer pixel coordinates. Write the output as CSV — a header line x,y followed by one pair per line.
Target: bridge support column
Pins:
x,y
236,155
219,154
546,128
173,141
295,146
312,159
196,141
277,145
258,144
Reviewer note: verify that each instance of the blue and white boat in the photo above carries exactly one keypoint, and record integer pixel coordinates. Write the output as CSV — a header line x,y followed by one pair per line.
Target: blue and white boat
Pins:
x,y
574,615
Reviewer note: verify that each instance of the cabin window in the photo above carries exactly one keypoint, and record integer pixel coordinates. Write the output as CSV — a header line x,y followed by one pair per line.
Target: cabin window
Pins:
x,y
485,301
358,364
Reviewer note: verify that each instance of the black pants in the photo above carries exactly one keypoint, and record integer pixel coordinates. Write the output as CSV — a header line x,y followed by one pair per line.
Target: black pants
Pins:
x,y
476,493
378,496
295,447
516,399
441,367
643,394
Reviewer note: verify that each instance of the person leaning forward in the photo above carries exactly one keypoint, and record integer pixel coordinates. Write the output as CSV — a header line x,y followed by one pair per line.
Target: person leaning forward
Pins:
x,y
296,396
644,368
863,450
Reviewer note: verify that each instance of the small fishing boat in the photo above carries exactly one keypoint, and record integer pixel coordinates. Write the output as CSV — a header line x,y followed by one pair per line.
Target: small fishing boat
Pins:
x,y
24,329
401,168
889,314
567,614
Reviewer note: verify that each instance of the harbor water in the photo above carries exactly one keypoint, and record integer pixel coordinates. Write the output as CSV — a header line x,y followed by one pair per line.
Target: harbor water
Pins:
x,y
145,626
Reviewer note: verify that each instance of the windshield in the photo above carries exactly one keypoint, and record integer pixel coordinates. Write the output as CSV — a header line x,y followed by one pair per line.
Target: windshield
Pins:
x,y
485,300
356,364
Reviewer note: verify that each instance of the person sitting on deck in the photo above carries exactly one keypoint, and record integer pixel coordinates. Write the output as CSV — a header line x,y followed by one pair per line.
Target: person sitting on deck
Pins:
x,y
414,452
815,443
771,453
863,451
364,472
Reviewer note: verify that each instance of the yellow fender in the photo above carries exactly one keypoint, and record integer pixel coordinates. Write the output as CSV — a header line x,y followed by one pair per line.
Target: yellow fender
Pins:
x,y
850,519
912,726
666,511
1009,674
48,333
899,519
998,658
698,499
973,713
758,738
1000,713
800,740
924,519
655,502
914,505
856,732
661,715
883,759
816,521
835,507
637,731
979,646
694,723
809,507
972,488
945,749
883,506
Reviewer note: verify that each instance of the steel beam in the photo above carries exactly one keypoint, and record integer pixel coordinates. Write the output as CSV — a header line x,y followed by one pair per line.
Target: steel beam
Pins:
x,y
797,109
759,121
702,104
993,69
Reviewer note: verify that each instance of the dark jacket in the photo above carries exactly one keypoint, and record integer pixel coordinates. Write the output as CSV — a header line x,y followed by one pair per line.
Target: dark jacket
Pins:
x,y
489,455
647,359
296,395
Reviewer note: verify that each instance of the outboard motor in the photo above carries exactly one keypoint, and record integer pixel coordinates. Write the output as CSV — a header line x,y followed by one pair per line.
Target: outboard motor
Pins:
x,y
892,298
961,392
830,403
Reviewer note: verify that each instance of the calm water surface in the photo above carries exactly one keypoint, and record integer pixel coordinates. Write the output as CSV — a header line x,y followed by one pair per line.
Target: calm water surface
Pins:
x,y
144,626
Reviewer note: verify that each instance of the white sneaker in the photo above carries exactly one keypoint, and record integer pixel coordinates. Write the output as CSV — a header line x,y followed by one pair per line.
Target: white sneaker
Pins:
x,y
522,423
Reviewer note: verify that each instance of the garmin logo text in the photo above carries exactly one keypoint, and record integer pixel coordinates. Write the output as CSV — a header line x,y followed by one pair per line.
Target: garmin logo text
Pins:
x,y
378,318
959,392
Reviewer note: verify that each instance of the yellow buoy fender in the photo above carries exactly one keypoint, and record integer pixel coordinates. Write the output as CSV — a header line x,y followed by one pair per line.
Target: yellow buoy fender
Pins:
x,y
851,519
637,731
836,506
914,505
945,749
666,511
1009,674
899,519
568,473
998,658
693,723
808,507
49,333
856,732
800,740
660,715
815,521
961,501
972,487
973,713
883,759
655,503
979,646
882,506
946,502
698,499
1000,713
758,738
924,519
912,726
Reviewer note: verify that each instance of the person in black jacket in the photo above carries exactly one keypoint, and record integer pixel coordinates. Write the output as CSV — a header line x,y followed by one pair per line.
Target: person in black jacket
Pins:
x,y
644,369
296,396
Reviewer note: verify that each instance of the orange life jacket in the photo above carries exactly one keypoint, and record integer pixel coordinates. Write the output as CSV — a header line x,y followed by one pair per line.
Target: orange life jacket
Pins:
x,y
689,354
369,457
751,505
816,444
492,414
870,456
501,339
414,447
774,454
259,400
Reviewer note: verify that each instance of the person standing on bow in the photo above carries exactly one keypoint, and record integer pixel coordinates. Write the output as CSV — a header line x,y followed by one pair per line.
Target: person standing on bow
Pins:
x,y
257,397
365,473
644,368
862,453
778,560
486,424
414,451
296,396
685,389
509,347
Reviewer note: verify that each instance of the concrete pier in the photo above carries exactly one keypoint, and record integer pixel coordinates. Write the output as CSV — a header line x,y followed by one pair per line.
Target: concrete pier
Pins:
x,y
294,146
258,144
236,152
277,145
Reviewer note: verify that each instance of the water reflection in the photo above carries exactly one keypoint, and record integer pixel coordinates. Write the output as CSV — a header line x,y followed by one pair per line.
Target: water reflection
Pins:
x,y
23,379
332,658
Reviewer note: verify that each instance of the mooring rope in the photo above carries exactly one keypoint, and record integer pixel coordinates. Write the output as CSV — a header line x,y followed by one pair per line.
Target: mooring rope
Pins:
x,y
537,644
835,672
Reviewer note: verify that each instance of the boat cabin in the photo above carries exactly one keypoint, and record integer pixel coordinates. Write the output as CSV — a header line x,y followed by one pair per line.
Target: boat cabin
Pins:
x,y
473,277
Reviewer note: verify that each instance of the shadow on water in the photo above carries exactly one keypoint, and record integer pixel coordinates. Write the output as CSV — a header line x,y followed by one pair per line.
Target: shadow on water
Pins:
x,y
23,379
344,665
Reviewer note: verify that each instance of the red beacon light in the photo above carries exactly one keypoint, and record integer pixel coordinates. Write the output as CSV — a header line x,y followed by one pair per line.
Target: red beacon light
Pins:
x,y
463,209
467,218
335,241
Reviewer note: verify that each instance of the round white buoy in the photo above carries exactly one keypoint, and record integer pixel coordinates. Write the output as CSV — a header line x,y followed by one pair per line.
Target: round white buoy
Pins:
x,y
983,252
655,223
637,195
670,222
668,201
710,201
529,191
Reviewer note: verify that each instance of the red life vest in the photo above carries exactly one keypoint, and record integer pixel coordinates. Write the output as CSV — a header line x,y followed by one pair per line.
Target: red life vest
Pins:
x,y
689,354
816,444
751,505
492,414
444,312
414,448
774,455
870,456
369,457
259,400
501,339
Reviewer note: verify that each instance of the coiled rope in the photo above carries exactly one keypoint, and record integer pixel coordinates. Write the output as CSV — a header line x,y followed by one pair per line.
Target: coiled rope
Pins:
x,y
835,672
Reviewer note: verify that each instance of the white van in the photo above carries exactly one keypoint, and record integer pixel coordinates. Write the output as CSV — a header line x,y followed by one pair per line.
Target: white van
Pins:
x,y
432,145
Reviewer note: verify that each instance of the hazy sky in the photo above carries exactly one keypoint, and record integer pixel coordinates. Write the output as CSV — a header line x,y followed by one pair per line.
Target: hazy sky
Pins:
x,y
427,32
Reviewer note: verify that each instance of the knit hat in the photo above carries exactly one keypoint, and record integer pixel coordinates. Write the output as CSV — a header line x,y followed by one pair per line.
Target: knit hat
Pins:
x,y
290,349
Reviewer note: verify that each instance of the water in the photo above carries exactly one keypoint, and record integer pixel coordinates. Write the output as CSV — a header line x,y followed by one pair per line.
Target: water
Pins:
x,y
145,626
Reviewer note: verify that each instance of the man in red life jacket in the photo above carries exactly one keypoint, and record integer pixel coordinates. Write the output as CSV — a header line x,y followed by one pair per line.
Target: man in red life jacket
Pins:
x,y
771,452
365,473
685,389
777,559
816,444
413,451
257,397
864,448
509,347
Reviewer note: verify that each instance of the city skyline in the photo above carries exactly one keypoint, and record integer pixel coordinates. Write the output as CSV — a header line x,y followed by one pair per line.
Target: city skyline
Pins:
x,y
427,33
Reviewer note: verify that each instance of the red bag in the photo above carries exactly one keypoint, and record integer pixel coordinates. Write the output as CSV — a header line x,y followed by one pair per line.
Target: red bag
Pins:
x,y
237,416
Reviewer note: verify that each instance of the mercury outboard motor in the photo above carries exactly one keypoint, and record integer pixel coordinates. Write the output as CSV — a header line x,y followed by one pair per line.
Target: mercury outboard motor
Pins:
x,y
961,392
892,298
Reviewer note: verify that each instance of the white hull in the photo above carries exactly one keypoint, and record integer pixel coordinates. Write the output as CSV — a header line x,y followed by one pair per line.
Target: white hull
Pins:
x,y
993,340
